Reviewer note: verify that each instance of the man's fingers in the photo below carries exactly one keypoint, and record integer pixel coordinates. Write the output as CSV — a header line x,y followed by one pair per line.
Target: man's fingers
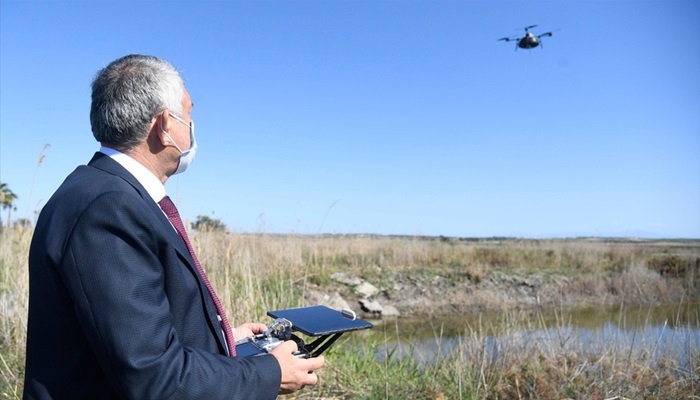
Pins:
x,y
289,346
296,372
313,379
316,362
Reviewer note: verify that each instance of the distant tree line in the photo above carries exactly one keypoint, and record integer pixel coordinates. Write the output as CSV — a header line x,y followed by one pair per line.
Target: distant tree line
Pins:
x,y
208,224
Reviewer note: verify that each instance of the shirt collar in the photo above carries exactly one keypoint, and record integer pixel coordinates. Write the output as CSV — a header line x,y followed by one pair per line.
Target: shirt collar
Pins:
x,y
150,182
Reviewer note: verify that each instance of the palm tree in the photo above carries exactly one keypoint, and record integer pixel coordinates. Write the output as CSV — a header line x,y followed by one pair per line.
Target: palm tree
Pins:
x,y
7,199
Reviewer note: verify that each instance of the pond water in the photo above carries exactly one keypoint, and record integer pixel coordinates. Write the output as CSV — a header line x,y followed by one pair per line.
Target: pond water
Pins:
x,y
669,330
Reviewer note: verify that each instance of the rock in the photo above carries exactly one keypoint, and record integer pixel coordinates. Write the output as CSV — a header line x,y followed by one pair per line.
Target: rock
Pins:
x,y
342,277
336,302
333,300
390,311
366,289
371,307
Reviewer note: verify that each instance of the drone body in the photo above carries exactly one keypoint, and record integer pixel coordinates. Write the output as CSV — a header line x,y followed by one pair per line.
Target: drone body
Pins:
x,y
529,41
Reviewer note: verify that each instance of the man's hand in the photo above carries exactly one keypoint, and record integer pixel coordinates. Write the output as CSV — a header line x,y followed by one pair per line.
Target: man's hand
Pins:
x,y
296,372
248,329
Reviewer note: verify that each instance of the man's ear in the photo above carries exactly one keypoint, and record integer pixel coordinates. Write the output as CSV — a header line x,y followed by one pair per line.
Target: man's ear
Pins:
x,y
162,126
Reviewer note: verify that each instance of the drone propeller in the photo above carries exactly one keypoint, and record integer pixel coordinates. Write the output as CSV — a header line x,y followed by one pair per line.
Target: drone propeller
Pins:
x,y
530,27
507,39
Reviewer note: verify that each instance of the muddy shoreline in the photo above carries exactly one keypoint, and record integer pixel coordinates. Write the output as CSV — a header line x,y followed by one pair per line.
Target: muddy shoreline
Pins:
x,y
416,293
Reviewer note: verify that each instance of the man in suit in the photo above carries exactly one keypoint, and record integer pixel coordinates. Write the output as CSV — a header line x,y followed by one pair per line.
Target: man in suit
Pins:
x,y
117,305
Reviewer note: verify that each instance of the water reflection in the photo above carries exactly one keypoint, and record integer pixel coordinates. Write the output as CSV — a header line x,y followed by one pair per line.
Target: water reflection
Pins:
x,y
669,331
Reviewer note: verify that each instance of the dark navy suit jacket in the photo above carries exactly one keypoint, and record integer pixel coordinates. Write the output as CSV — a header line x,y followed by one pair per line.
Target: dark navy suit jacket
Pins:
x,y
116,306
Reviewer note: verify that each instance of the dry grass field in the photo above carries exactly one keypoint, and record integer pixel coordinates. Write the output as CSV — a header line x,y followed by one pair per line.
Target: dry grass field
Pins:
x,y
254,273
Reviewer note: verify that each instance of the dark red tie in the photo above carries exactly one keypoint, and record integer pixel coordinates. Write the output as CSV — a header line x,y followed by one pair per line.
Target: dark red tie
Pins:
x,y
170,210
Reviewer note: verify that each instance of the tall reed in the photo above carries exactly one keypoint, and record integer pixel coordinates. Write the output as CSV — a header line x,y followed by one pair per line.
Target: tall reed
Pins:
x,y
14,298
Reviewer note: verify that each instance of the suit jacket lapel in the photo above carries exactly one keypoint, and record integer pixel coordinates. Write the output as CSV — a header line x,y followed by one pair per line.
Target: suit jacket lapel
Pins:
x,y
105,163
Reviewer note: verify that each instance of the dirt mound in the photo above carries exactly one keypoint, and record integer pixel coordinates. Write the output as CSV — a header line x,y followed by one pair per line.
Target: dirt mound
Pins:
x,y
424,292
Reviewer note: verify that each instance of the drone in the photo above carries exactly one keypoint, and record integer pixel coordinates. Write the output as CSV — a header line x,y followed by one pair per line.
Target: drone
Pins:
x,y
529,41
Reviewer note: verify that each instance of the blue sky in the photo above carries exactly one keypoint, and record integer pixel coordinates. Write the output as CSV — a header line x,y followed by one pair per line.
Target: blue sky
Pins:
x,y
388,117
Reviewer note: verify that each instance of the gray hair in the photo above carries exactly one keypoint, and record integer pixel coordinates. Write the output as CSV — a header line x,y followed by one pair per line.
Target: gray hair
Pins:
x,y
127,94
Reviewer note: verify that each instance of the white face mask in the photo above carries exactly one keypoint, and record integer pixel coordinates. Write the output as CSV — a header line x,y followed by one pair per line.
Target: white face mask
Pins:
x,y
187,156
